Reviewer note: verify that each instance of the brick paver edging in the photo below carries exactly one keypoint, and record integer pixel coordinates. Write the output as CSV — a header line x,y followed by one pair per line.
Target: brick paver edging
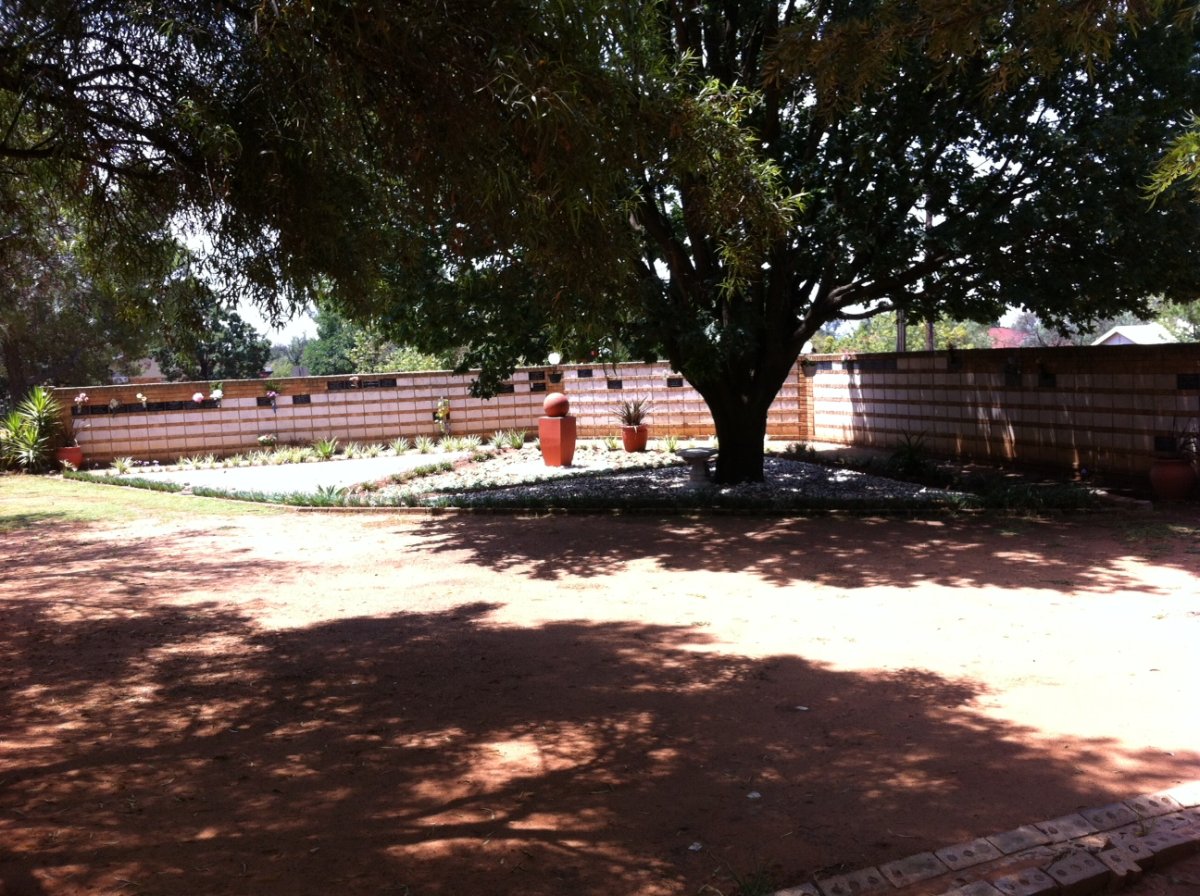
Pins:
x,y
1092,851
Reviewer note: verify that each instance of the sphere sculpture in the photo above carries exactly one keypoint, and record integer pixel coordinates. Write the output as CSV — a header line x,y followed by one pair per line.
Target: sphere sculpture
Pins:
x,y
556,404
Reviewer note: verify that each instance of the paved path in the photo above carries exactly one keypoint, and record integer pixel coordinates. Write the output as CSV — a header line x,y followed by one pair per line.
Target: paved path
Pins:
x,y
1093,851
299,478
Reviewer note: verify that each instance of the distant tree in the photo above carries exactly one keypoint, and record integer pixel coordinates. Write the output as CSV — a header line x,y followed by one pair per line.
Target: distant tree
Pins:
x,y
287,356
63,318
329,353
292,351
342,346
1181,319
217,346
878,334
373,353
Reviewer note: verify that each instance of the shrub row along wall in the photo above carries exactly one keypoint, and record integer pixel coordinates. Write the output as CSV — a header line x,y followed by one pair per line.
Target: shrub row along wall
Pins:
x,y
1098,408
170,424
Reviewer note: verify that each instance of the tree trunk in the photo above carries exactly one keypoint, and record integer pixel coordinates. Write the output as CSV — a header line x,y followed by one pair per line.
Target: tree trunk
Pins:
x,y
14,370
740,416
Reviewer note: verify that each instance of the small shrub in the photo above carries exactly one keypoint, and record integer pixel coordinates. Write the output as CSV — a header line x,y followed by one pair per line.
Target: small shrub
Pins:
x,y
324,496
400,445
424,444
516,438
669,444
451,444
353,450
909,457
470,443
801,451
153,485
325,449
612,443
122,465
499,439
443,466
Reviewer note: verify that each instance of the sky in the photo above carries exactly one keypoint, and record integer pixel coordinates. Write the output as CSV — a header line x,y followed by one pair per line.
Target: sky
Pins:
x,y
302,325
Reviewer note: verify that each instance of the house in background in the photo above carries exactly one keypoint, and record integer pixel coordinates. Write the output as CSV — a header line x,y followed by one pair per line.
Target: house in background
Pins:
x,y
1136,334
1006,337
145,370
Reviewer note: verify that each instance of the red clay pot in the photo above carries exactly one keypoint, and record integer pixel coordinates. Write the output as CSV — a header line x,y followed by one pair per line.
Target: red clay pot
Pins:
x,y
1172,479
634,438
71,454
557,438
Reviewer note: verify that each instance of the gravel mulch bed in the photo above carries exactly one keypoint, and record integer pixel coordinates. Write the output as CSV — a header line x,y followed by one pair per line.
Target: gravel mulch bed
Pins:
x,y
599,477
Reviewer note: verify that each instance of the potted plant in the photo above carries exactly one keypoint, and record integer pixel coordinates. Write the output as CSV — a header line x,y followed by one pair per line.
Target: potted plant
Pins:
x,y
632,416
1173,471
69,453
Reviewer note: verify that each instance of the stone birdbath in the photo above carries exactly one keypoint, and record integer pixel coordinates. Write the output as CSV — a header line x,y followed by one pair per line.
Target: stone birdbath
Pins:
x,y
697,459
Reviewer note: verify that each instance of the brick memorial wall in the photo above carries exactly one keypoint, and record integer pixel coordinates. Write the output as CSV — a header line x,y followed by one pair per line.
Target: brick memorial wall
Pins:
x,y
1101,408
368,408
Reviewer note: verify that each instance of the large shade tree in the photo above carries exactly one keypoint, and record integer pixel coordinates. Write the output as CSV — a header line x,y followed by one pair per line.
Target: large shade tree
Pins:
x,y
708,182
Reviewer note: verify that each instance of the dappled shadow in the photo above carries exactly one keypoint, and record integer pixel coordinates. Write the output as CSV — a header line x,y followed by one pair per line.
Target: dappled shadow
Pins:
x,y
1079,553
187,750
10,522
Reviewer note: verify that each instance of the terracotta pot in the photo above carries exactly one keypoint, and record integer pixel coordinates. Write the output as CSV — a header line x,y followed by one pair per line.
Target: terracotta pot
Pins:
x,y
71,454
634,438
557,437
1172,479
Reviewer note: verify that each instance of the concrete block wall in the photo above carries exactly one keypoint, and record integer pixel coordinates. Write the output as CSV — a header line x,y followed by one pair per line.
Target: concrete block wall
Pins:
x,y
368,408
1098,408
676,408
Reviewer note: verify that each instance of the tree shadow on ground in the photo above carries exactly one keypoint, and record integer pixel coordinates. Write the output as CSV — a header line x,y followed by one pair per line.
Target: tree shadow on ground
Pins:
x,y
169,750
1074,554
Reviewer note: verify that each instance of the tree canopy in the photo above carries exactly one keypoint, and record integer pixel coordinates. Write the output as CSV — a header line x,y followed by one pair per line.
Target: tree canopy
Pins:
x,y
707,182
219,346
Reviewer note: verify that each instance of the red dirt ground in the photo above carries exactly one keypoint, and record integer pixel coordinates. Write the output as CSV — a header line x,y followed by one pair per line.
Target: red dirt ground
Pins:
x,y
315,704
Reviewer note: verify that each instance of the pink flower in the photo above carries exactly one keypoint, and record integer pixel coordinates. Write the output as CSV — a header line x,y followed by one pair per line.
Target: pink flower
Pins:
x,y
198,397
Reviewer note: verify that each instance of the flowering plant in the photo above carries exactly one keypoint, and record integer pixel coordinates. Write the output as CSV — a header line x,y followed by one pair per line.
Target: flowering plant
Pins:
x,y
198,397
442,415
217,392
142,398
81,399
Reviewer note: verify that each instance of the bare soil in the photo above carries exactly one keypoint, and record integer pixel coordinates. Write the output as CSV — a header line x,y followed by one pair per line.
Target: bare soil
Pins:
x,y
368,704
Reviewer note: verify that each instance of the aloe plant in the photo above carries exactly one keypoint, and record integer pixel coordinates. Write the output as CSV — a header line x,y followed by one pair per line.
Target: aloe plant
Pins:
x,y
325,448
